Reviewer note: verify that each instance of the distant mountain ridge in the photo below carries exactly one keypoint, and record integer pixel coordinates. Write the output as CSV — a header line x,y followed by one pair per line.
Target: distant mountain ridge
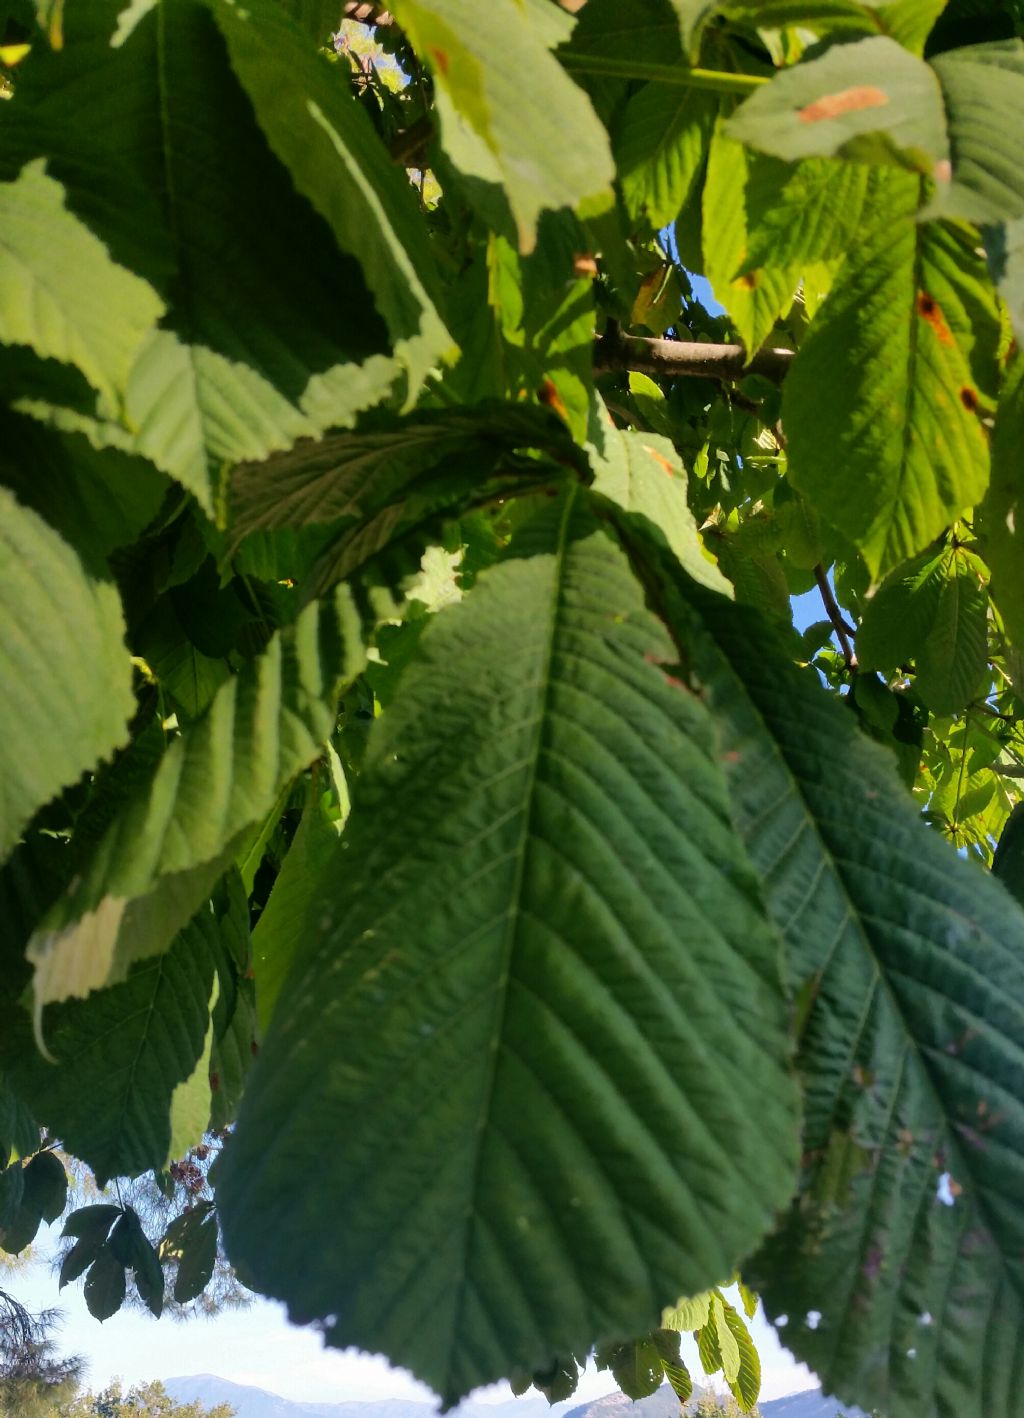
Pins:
x,y
251,1402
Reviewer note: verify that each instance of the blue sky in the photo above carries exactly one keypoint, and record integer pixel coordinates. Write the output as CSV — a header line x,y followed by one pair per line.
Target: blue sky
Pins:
x,y
257,1346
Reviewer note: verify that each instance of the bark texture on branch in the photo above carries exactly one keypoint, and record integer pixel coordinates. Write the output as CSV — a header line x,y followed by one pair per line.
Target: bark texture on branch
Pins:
x,y
683,358
366,14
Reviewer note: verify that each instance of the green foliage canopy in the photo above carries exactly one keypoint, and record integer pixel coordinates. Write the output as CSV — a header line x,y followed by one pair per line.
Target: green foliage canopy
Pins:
x,y
428,847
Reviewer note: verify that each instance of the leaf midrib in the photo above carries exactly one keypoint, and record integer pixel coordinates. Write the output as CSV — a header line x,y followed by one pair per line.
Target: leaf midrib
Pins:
x,y
512,929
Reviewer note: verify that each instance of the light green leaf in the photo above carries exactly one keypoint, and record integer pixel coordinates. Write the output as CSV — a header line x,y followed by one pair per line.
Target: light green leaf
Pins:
x,y
816,210
746,1382
676,1372
688,1314
881,406
178,832
500,96
67,676
643,473
190,1102
869,100
908,961
754,298
63,295
728,1345
749,1298
661,146
1003,508
538,871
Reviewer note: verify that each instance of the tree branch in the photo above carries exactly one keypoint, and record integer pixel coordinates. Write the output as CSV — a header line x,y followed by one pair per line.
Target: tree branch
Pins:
x,y
682,358
835,615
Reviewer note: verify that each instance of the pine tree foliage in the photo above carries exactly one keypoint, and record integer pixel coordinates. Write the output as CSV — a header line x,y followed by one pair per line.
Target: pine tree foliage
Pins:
x,y
449,879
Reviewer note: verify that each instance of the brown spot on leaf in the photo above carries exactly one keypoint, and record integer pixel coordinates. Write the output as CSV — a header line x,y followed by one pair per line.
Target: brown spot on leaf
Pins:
x,y
846,101
440,58
254,1049
749,281
943,171
663,462
929,309
550,397
969,399
214,1082
584,265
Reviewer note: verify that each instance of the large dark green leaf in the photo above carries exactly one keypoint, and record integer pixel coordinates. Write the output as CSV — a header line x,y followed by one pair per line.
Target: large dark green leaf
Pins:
x,y
66,675
179,829
882,405
898,1266
244,364
127,1048
542,922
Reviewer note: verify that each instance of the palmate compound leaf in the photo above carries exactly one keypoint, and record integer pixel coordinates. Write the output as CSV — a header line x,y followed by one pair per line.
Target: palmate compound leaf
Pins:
x,y
882,405
67,679
176,178
541,920
500,96
899,1264
180,829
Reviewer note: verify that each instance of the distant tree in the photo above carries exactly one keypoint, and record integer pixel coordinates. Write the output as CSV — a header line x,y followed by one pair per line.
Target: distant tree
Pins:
x,y
141,1401
33,1379
714,1405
